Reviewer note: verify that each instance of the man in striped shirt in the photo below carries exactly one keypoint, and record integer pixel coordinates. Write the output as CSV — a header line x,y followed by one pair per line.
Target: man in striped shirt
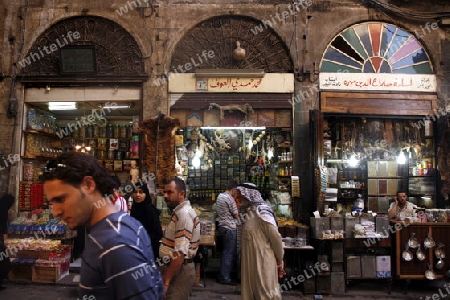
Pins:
x,y
117,261
227,214
180,242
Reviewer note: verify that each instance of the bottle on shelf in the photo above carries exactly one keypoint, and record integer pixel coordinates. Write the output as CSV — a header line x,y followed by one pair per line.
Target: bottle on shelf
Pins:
x,y
109,131
359,204
96,131
90,131
123,131
117,131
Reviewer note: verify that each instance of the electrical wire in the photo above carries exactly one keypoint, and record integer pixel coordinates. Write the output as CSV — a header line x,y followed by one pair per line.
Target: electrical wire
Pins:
x,y
406,13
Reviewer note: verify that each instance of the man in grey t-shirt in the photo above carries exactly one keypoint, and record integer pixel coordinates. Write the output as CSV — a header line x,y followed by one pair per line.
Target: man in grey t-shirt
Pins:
x,y
227,214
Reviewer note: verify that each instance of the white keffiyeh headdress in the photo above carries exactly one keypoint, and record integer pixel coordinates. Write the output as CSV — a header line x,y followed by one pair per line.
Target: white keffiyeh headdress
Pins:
x,y
264,211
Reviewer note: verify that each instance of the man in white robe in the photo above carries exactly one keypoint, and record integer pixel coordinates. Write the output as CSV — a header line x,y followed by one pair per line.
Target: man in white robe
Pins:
x,y
261,247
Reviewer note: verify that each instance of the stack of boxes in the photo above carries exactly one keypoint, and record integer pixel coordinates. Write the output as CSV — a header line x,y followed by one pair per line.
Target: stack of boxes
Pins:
x,y
359,265
31,195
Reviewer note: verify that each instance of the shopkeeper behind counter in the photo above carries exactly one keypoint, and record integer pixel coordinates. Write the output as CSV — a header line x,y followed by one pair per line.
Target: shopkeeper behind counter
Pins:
x,y
401,208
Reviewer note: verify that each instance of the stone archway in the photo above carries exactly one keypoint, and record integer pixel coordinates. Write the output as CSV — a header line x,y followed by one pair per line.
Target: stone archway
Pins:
x,y
264,47
117,53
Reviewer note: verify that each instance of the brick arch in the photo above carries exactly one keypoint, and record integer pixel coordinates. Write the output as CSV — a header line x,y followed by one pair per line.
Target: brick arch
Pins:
x,y
264,47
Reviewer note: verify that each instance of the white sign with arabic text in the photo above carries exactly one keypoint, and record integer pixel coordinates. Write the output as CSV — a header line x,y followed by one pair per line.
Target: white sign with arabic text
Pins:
x,y
270,83
378,82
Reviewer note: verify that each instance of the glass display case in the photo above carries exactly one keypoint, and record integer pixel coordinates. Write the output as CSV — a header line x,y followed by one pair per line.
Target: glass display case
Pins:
x,y
375,158
422,174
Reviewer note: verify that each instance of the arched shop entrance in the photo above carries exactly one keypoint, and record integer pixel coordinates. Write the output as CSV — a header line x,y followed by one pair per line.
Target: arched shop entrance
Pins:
x,y
234,107
377,96
83,64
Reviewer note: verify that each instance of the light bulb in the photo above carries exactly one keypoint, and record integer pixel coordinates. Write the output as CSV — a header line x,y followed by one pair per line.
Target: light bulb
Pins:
x,y
196,162
250,144
401,158
353,162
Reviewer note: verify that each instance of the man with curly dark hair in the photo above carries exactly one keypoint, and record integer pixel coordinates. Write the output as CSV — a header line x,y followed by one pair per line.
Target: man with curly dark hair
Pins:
x,y
118,261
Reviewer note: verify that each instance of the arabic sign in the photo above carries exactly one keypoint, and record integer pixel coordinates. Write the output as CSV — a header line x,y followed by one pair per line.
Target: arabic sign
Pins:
x,y
270,83
235,84
378,82
78,59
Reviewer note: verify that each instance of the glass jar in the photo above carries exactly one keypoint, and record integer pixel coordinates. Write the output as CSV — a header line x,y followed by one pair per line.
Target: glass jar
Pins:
x,y
28,169
31,119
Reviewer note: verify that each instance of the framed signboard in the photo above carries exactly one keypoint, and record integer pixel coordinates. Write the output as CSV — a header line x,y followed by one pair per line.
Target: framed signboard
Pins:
x,y
78,60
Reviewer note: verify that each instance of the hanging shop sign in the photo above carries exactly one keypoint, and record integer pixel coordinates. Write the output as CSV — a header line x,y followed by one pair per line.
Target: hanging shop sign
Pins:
x,y
270,83
378,82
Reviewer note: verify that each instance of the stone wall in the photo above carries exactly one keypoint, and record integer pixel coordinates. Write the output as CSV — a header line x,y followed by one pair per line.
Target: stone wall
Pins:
x,y
159,27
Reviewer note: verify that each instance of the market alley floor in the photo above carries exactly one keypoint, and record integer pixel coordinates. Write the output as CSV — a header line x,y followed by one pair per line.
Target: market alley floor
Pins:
x,y
361,289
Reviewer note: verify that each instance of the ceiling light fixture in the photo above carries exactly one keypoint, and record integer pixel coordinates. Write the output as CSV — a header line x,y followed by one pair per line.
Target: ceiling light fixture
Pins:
x,y
110,106
62,105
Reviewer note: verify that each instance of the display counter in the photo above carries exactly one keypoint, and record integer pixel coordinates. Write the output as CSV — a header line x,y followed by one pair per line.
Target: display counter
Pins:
x,y
430,237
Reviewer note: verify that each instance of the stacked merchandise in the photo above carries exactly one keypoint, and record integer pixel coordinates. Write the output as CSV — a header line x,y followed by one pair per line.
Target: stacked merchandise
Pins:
x,y
37,223
369,227
207,229
366,229
39,260
31,195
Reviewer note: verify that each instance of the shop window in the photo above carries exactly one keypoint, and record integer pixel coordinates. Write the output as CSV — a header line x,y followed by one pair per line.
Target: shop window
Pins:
x,y
375,47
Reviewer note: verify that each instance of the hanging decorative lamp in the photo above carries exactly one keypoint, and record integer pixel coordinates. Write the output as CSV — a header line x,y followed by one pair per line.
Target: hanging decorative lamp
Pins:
x,y
239,53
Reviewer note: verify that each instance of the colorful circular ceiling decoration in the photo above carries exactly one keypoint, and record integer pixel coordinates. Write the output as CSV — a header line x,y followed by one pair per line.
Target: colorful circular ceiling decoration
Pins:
x,y
375,47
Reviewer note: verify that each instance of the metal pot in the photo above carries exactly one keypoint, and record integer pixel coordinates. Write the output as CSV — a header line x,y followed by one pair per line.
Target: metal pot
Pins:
x,y
413,242
406,254
440,264
439,252
429,242
429,274
419,254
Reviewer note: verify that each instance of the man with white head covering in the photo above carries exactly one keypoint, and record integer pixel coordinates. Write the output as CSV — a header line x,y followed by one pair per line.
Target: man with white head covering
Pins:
x,y
261,246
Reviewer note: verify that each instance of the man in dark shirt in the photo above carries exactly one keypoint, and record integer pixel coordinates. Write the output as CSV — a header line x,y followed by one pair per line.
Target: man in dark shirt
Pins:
x,y
5,204
118,262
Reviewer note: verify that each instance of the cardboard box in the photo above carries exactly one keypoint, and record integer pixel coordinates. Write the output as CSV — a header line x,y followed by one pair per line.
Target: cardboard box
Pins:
x,y
337,267
318,225
383,266
336,223
353,266
368,266
323,284
350,225
337,251
207,240
337,282
309,285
